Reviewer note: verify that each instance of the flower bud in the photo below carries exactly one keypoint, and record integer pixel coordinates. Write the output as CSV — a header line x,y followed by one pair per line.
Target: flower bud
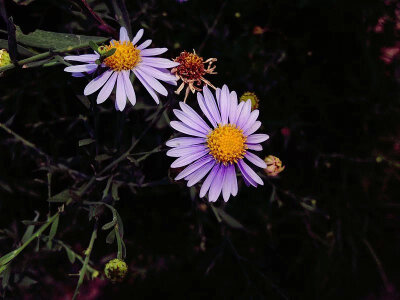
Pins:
x,y
253,97
116,270
4,58
274,166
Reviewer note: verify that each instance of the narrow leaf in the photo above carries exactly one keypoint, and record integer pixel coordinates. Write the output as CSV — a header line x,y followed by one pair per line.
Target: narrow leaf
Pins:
x,y
85,142
229,220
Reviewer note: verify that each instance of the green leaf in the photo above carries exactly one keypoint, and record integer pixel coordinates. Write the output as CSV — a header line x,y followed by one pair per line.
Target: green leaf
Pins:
x,y
29,230
64,196
120,224
110,224
94,46
229,220
21,50
114,191
8,257
55,40
53,228
107,188
71,255
110,237
85,142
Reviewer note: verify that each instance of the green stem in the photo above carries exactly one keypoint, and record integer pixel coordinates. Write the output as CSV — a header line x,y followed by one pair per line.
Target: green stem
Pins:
x,y
42,56
88,251
119,242
11,255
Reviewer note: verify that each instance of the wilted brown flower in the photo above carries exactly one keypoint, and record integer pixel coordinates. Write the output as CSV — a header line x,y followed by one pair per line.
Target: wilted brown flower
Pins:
x,y
191,71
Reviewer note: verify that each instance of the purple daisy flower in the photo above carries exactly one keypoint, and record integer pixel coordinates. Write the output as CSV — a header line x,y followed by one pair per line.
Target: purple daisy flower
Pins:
x,y
218,149
127,57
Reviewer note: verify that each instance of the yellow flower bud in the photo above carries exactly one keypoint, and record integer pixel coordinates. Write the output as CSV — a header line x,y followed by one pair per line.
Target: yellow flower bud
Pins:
x,y
274,166
4,58
116,270
253,97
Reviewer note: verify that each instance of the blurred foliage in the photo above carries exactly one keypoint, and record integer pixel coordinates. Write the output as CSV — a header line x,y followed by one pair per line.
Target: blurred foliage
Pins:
x,y
326,228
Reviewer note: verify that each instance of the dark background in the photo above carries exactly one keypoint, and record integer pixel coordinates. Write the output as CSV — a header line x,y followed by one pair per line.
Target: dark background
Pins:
x,y
325,71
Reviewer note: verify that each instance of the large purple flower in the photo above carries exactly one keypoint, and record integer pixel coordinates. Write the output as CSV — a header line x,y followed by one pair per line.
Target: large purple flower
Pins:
x,y
216,150
127,57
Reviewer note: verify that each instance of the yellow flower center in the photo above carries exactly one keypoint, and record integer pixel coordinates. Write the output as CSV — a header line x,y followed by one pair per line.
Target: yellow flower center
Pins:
x,y
126,57
227,143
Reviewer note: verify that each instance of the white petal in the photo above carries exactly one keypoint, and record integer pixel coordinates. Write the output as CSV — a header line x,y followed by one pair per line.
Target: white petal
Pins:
x,y
123,35
154,83
97,83
121,95
107,89
138,36
130,92
153,51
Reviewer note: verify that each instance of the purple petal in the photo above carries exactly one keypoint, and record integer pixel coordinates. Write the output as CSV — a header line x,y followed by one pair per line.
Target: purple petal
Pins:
x,y
179,126
147,87
257,138
156,73
153,51
216,185
255,160
233,106
107,89
254,147
194,116
193,167
120,100
138,36
224,100
130,92
232,175
253,128
251,120
81,68
237,112
184,151
154,83
185,160
199,174
203,107
97,83
244,115
184,141
90,58
209,180
189,122
123,35
144,45
78,74
227,185
211,104
246,177
159,62
249,172
218,96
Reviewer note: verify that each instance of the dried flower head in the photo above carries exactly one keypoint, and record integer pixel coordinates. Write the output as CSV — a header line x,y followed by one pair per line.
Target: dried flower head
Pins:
x,y
116,270
253,98
274,166
191,71
4,58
